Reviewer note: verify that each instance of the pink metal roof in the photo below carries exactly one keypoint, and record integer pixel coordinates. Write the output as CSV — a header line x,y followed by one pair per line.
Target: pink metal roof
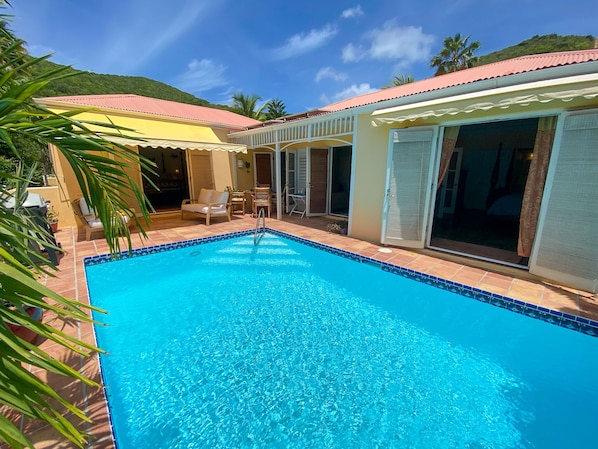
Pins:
x,y
165,108
522,64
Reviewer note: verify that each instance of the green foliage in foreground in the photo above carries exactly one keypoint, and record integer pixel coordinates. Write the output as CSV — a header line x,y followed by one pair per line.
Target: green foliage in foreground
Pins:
x,y
101,170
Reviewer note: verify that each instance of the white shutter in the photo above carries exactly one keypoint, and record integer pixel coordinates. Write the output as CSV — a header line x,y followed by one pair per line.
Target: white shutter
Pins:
x,y
566,246
301,170
408,187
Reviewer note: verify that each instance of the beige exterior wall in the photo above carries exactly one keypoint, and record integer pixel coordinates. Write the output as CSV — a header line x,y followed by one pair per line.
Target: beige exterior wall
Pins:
x,y
52,194
244,175
370,151
222,163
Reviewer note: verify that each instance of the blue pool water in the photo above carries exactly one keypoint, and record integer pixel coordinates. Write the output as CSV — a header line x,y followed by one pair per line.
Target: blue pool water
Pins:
x,y
227,345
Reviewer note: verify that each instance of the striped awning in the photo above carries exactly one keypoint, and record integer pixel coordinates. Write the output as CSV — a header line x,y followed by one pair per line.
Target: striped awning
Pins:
x,y
180,144
466,104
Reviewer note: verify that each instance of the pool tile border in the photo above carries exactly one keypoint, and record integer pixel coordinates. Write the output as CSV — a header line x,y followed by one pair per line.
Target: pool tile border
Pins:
x,y
576,323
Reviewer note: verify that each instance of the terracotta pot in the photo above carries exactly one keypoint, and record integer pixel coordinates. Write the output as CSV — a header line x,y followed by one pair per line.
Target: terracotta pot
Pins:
x,y
27,334
54,226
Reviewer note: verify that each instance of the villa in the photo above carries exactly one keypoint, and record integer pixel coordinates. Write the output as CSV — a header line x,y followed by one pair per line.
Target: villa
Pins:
x,y
497,162
496,165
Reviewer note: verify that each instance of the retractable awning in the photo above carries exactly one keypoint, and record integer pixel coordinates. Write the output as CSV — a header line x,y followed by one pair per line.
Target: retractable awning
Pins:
x,y
181,144
480,101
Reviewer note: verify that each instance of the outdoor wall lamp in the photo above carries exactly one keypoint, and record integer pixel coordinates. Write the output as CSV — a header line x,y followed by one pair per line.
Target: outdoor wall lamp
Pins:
x,y
241,163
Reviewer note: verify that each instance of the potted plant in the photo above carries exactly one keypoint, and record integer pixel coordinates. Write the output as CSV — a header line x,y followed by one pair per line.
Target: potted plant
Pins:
x,y
52,218
25,332
339,227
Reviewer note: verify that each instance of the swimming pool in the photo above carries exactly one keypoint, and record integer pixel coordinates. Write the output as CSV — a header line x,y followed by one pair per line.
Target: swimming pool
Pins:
x,y
223,344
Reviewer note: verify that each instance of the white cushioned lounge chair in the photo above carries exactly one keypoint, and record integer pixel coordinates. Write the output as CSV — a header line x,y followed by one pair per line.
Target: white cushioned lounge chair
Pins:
x,y
88,217
210,204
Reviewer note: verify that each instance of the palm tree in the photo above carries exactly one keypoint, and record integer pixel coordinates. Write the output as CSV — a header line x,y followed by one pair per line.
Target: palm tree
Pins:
x,y
456,55
399,80
246,104
101,168
275,108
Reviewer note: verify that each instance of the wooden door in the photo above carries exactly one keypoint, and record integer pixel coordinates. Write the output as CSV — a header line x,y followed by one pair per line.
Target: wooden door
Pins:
x,y
318,181
200,172
263,169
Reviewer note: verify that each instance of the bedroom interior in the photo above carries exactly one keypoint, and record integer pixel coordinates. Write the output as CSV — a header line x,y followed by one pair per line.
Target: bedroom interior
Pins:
x,y
478,203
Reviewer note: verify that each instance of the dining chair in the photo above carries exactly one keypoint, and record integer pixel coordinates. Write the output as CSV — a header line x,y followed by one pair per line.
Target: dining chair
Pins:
x,y
261,199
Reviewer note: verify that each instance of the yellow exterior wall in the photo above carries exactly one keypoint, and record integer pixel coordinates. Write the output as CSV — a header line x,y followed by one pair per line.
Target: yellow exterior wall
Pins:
x,y
68,188
153,127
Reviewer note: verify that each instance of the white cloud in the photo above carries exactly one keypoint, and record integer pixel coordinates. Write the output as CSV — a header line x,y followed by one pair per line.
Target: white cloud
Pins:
x,y
351,53
304,43
353,91
352,12
392,42
202,76
329,72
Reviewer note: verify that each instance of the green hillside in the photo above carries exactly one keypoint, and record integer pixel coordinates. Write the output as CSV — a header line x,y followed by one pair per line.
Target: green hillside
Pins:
x,y
88,83
549,43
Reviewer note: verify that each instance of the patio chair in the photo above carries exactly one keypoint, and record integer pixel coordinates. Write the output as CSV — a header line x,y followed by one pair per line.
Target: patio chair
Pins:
x,y
299,203
262,199
210,204
237,200
87,216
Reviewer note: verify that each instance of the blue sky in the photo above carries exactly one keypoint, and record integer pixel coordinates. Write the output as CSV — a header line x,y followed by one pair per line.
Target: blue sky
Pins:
x,y
307,54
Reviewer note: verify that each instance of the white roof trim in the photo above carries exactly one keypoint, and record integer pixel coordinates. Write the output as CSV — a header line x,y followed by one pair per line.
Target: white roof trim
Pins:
x,y
496,98
180,144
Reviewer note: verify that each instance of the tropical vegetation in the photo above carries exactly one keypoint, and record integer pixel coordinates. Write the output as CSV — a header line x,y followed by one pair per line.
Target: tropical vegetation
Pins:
x,y
101,168
275,108
399,80
247,105
457,54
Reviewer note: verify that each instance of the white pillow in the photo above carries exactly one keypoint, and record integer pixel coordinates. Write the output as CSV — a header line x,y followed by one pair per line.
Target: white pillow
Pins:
x,y
219,197
214,209
86,211
205,196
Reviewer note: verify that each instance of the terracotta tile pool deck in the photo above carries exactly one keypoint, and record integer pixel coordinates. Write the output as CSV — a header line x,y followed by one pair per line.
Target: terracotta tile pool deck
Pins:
x,y
168,228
